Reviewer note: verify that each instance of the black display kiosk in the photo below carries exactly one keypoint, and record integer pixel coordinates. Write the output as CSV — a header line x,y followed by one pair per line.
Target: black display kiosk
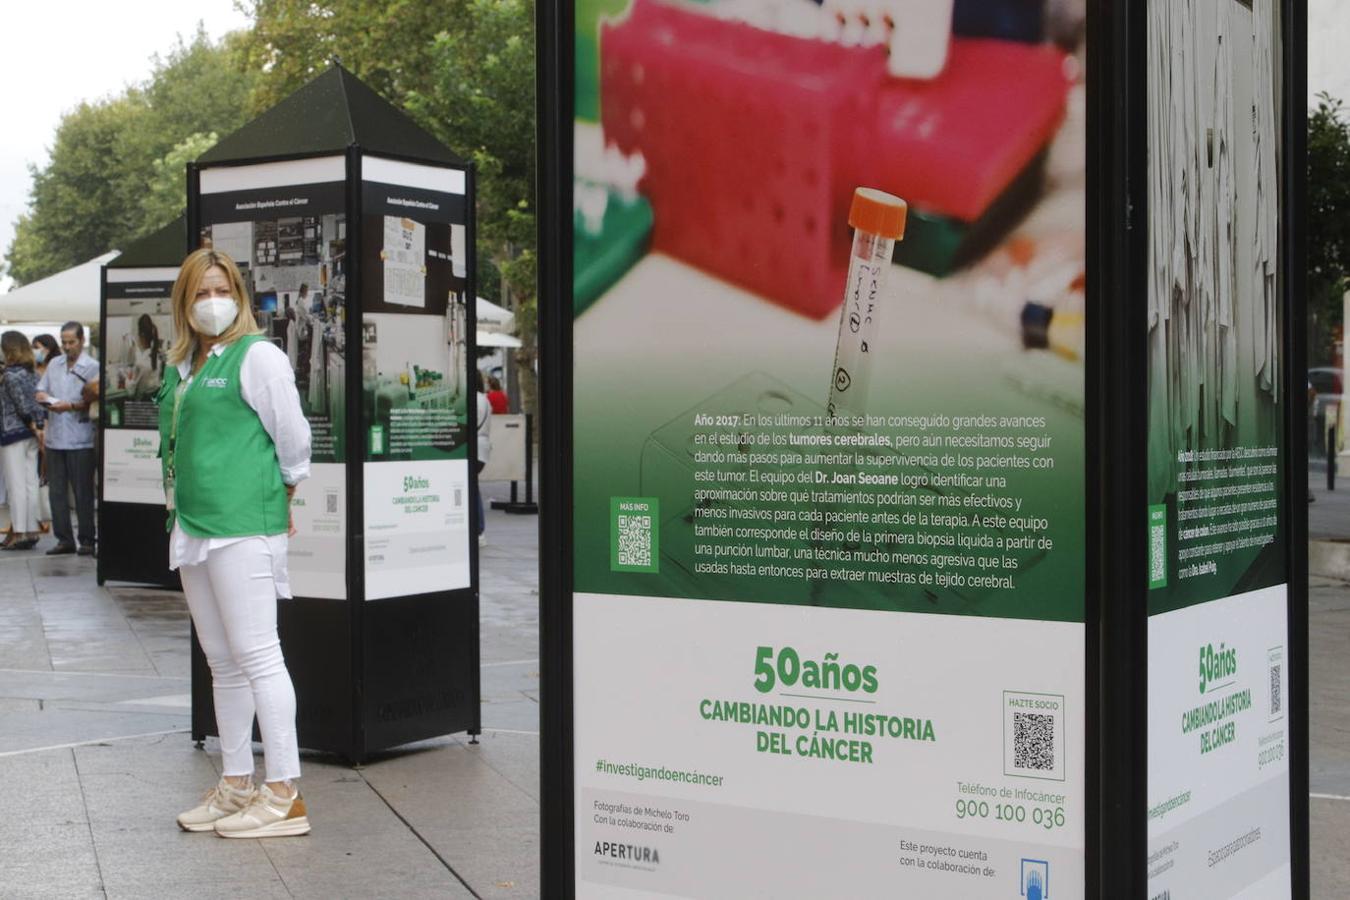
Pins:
x,y
354,228
136,327
923,438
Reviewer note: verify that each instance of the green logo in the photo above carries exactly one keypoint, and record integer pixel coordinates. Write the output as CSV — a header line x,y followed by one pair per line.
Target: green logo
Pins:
x,y
1157,546
1216,665
634,534
376,439
413,483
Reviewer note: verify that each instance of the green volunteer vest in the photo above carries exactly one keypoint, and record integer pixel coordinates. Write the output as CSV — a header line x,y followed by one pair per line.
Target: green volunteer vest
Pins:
x,y
227,481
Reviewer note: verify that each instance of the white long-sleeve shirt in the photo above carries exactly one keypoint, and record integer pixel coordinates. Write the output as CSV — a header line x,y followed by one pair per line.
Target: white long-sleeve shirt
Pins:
x,y
267,385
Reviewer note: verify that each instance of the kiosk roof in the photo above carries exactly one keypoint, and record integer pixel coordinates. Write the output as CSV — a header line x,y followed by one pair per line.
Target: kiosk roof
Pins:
x,y
328,115
165,246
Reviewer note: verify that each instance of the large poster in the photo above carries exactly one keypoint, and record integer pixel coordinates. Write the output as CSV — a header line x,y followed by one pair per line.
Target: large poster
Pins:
x,y
285,224
1218,761
139,332
415,396
829,476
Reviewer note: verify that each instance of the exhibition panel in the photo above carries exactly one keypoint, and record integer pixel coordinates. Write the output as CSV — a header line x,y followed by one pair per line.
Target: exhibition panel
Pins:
x,y
860,376
1218,503
358,257
136,329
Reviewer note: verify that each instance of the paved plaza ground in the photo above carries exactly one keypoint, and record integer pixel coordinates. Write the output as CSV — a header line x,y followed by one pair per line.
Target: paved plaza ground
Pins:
x,y
95,757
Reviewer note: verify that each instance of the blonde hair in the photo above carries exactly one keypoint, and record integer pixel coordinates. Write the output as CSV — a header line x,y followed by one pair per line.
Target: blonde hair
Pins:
x,y
190,275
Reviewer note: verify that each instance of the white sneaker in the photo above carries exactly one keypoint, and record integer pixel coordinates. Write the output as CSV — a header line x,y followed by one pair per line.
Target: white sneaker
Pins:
x,y
222,800
266,816
482,540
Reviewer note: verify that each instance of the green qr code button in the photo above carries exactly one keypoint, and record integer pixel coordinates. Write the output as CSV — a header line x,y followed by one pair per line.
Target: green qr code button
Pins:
x,y
634,534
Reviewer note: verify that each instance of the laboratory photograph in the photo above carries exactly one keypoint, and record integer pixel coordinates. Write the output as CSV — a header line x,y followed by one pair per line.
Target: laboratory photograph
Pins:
x,y
737,170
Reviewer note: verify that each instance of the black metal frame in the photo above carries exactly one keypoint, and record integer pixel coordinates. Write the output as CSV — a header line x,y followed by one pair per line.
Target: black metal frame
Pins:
x,y
1116,464
1293,248
348,692
1116,474
555,95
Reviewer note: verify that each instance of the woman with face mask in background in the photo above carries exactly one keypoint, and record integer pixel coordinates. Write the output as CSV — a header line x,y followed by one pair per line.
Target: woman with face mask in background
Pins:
x,y
45,349
235,443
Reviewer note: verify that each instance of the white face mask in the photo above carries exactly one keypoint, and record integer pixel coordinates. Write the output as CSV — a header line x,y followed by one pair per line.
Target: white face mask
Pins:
x,y
39,354
215,314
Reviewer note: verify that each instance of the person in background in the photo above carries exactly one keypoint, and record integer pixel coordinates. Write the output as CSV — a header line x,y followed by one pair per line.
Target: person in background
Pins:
x,y
501,404
6,525
235,445
484,453
45,349
21,421
70,440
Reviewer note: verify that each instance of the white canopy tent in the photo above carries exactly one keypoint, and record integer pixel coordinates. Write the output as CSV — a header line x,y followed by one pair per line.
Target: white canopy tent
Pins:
x,y
495,324
72,295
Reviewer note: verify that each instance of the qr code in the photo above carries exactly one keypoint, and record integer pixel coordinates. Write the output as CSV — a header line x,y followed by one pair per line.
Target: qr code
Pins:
x,y
332,499
1157,554
1276,677
1033,742
635,540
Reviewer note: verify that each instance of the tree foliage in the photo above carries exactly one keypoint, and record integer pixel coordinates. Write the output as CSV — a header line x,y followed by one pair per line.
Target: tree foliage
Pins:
x,y
111,161
1328,222
480,101
386,43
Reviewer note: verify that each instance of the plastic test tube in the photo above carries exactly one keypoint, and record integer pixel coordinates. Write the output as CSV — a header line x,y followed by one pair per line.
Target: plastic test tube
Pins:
x,y
878,221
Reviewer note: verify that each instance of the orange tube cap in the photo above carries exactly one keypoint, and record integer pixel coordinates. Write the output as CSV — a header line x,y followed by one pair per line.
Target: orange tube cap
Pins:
x,y
878,212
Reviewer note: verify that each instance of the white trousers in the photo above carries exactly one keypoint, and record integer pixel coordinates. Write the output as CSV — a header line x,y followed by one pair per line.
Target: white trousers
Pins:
x,y
21,482
233,600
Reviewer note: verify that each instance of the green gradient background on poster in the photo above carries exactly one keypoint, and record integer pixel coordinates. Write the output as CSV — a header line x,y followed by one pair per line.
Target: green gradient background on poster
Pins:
x,y
1239,571
1192,395
616,412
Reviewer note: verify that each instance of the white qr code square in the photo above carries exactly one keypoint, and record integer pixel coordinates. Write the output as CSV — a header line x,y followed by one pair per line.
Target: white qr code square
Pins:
x,y
1033,741
1275,681
635,540
1033,735
1157,555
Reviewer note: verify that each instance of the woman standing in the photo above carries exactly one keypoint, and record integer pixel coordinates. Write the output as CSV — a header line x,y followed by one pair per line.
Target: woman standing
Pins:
x,y
45,349
21,421
235,444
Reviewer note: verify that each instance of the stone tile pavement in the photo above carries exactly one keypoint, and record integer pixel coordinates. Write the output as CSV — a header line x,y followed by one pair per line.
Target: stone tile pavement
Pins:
x,y
96,759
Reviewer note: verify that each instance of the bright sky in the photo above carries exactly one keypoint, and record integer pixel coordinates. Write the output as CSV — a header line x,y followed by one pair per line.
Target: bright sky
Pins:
x,y
53,55
1328,38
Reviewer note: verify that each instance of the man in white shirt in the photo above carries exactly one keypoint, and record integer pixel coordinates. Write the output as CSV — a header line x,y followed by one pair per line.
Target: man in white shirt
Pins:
x,y
70,439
